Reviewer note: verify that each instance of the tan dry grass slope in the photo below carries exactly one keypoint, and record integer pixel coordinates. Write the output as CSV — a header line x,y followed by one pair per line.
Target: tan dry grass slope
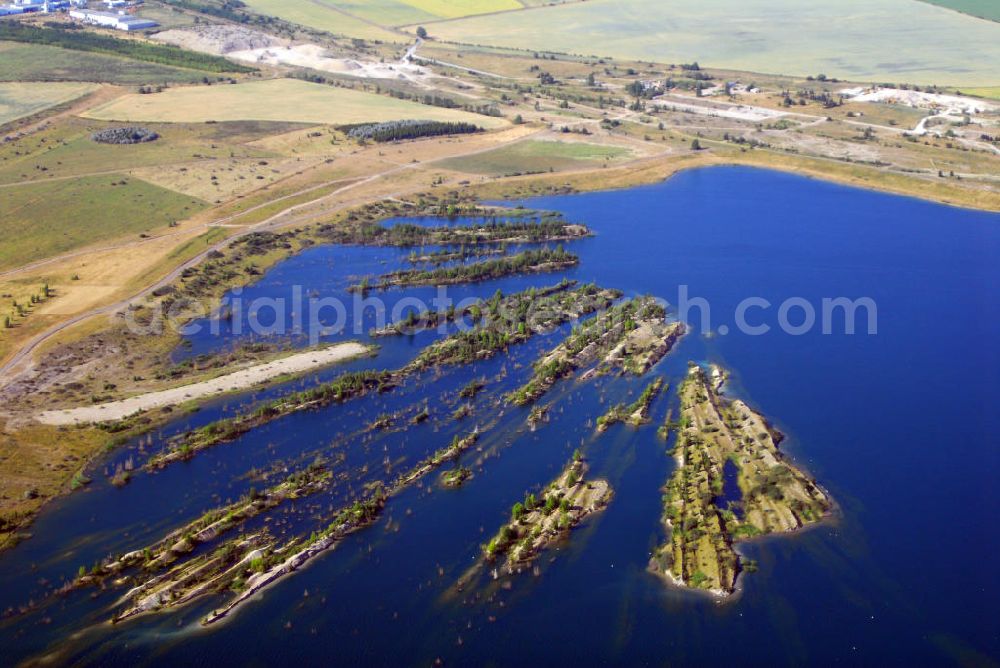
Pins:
x,y
275,100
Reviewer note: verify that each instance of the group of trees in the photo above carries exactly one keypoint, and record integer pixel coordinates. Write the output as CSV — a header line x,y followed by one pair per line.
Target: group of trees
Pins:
x,y
346,386
621,412
431,100
502,321
124,135
409,129
544,259
604,331
490,231
20,310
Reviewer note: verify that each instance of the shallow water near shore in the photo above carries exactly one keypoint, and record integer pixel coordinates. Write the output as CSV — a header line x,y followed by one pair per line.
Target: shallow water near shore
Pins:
x,y
899,426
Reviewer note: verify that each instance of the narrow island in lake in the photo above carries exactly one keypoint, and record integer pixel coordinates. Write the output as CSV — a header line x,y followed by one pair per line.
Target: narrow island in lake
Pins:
x,y
346,386
500,322
636,413
518,227
541,520
631,336
538,261
731,484
247,563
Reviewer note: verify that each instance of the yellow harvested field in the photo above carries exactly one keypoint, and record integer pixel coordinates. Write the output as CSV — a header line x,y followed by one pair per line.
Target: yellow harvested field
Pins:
x,y
275,100
18,100
402,12
452,9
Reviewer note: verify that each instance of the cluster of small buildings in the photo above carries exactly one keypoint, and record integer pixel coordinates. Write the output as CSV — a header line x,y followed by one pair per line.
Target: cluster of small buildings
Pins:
x,y
40,6
114,15
652,85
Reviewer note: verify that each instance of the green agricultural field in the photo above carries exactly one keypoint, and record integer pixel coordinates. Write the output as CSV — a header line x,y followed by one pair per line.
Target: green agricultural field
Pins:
x,y
46,219
871,40
18,100
275,100
989,91
535,156
985,9
37,62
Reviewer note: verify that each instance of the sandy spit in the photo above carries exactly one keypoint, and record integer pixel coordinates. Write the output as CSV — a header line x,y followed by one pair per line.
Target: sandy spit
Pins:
x,y
239,380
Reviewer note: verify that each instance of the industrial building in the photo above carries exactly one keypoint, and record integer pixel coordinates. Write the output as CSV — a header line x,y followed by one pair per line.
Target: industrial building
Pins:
x,y
124,22
40,6
118,20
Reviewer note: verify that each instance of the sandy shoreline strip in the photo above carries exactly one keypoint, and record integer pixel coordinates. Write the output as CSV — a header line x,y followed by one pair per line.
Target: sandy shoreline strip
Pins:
x,y
239,380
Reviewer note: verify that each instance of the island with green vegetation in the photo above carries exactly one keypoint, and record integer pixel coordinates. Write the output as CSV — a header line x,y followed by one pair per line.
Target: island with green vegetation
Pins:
x,y
716,433
344,387
252,560
506,320
539,261
446,255
636,413
181,543
631,336
517,308
540,520
501,321
490,226
456,477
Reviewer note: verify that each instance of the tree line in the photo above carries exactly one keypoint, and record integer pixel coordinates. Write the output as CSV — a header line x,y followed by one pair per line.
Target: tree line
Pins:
x,y
408,129
83,40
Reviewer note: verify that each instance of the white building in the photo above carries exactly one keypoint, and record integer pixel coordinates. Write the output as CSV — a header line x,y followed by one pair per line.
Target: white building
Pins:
x,y
109,20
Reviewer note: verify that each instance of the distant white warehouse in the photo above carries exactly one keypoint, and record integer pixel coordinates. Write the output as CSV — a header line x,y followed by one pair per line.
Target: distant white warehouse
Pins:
x,y
109,20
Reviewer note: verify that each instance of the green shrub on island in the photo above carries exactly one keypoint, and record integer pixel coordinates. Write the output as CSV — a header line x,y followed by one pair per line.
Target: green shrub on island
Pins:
x,y
508,228
530,261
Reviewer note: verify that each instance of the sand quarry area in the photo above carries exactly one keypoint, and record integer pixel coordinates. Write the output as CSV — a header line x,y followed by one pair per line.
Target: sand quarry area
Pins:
x,y
920,100
239,380
258,48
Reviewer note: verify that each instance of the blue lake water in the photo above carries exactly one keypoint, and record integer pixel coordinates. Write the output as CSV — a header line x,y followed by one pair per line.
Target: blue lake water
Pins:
x,y
900,426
